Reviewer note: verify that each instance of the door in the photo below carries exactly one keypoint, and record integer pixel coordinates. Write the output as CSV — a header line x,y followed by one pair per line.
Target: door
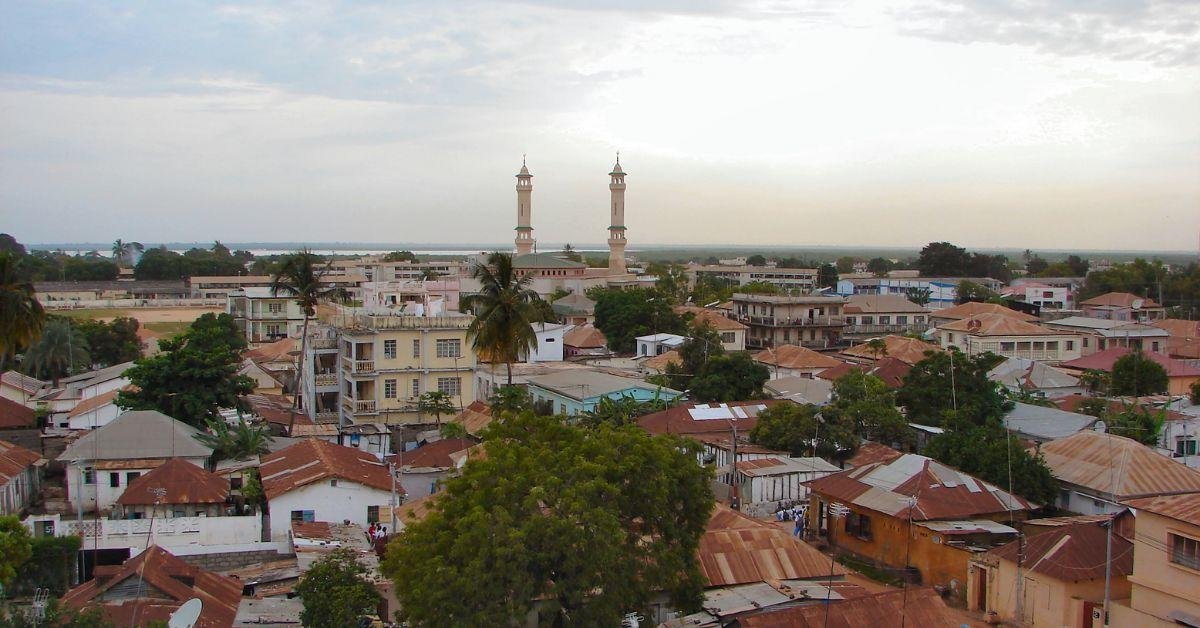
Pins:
x,y
1029,600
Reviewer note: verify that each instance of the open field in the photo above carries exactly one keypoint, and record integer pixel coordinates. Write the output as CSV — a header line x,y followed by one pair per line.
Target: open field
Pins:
x,y
145,316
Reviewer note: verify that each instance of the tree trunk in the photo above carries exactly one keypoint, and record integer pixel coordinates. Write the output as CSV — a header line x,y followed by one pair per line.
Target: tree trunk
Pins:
x,y
299,374
508,365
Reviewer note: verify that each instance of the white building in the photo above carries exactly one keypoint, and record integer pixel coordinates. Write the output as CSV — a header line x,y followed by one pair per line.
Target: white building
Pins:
x,y
549,342
94,412
318,481
766,484
658,344
102,463
263,316
20,479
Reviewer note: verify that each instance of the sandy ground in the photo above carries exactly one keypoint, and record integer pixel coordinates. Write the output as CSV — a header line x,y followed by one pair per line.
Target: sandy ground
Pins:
x,y
150,314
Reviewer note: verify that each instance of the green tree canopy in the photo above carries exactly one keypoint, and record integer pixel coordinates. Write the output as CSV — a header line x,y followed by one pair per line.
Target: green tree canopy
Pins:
x,y
21,315
969,291
437,403
805,430
623,315
930,390
113,342
61,350
16,547
591,523
730,377
1136,375
237,443
867,401
336,591
505,310
194,377
401,256
985,451
756,260
827,276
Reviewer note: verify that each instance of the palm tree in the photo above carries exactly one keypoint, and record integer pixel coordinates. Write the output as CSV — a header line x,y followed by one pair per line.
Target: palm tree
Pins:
x,y
60,348
21,316
123,252
300,277
437,402
239,443
505,310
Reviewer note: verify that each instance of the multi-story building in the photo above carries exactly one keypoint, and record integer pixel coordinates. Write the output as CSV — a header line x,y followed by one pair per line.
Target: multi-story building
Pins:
x,y
1123,306
792,279
942,291
219,287
1099,334
1043,295
1166,564
773,320
387,361
264,317
874,314
1009,337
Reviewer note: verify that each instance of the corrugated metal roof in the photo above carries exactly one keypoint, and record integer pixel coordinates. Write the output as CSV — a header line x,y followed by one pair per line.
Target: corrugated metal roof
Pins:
x,y
1107,464
903,348
870,452
1181,507
14,459
917,606
796,357
1043,423
313,460
180,481
736,549
138,434
680,420
973,526
1072,553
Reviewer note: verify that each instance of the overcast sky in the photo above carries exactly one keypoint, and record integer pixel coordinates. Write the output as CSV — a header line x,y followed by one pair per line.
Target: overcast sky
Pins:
x,y
1070,124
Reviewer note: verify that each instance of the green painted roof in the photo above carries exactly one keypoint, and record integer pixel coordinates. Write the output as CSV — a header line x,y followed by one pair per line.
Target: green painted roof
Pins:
x,y
544,260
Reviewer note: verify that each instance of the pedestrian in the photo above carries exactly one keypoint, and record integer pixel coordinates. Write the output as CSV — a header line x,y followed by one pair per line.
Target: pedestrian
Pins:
x,y
371,532
799,527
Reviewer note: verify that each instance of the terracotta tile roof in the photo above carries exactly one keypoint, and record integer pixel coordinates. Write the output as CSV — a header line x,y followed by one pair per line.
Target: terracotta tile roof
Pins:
x,y
1104,360
15,416
167,582
942,492
131,463
1071,403
682,418
280,350
474,418
660,361
1119,299
312,460
840,371
795,357
183,483
918,606
716,319
892,371
585,337
435,454
1181,507
1179,328
736,549
91,403
1072,553
882,303
23,382
903,348
14,459
973,308
1114,465
872,452
999,325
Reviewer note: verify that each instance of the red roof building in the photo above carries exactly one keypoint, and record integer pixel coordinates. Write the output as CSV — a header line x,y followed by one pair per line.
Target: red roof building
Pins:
x,y
1179,373
14,416
704,421
20,480
435,454
177,486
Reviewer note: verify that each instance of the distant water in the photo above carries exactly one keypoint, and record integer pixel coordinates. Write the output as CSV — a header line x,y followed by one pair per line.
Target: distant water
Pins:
x,y
263,252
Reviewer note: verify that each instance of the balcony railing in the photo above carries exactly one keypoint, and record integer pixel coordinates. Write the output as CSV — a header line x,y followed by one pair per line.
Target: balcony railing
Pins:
x,y
326,417
326,379
886,329
811,321
767,343
359,366
359,406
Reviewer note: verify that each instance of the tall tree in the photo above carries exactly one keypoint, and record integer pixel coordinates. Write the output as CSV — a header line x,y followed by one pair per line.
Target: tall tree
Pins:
x,y
237,443
437,403
868,402
112,342
21,315
550,516
969,291
946,381
336,591
61,350
505,310
827,276
1137,375
300,277
942,259
805,430
123,252
623,315
730,377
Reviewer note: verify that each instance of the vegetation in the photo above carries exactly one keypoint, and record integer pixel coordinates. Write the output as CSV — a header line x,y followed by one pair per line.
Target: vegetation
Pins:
x,y
15,548
622,411
401,256
300,277
1177,289
1137,422
969,291
943,259
1136,375
879,266
161,263
113,342
711,374
623,315
61,350
1195,390
550,516
505,309
237,443
336,591
805,430
827,276
437,403
124,252
51,565
61,616
510,400
195,376
451,431
868,403
21,316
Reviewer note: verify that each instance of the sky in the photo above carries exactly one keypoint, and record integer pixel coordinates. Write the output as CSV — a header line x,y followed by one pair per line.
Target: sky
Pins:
x,y
1069,124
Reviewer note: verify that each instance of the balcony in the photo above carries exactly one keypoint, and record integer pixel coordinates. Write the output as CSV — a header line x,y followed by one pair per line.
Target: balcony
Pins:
x,y
766,343
903,328
326,379
326,417
359,367
359,406
811,321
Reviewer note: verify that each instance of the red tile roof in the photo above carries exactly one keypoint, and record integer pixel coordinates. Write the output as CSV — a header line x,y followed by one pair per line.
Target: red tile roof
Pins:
x,y
837,372
15,416
941,491
796,357
475,417
660,361
1104,361
716,319
276,409
275,351
1179,328
1181,507
14,459
892,371
1072,553
166,583
1114,465
313,460
435,454
1119,299
917,606
999,325
585,337
736,549
182,483
91,403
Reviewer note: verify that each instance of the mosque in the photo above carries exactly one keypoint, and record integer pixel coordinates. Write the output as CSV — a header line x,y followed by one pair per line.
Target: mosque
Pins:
x,y
552,271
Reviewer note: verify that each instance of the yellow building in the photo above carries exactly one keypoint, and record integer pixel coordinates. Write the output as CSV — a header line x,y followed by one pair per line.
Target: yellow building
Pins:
x,y
388,361
1166,564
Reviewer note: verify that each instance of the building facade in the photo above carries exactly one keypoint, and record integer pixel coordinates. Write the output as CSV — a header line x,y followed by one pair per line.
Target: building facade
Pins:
x,y
773,320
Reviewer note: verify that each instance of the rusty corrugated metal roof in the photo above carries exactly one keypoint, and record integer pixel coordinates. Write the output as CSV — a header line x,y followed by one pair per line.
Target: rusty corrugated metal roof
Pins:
x,y
1072,553
312,460
1181,507
180,481
1114,465
918,607
14,459
736,549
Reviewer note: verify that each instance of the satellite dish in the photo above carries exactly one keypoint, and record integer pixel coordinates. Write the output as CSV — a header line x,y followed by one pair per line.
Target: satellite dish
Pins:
x,y
716,303
187,615
1137,304
1100,426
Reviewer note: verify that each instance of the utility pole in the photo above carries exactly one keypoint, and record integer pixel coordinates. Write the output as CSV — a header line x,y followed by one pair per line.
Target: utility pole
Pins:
x,y
736,500
1108,566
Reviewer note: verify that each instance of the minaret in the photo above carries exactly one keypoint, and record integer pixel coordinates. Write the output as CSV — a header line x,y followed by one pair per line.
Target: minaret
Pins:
x,y
616,226
524,239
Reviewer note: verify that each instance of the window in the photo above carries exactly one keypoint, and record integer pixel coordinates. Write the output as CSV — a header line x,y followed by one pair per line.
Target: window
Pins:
x,y
333,482
372,514
389,349
114,479
885,320
416,347
1185,447
1184,551
89,476
1085,343
1071,344
449,385
727,336
274,308
449,348
901,320
1064,498
131,476
858,525
867,320
416,388
389,389
306,516
235,483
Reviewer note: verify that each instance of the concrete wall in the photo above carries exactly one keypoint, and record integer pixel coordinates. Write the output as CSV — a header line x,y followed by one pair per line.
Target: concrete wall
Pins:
x,y
221,561
1160,586
1046,601
347,500
96,417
